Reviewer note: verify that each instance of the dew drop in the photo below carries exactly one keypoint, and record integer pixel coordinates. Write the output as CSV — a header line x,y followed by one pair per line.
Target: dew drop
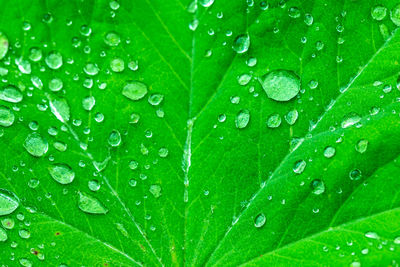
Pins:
x,y
114,139
395,15
318,187
260,220
88,103
299,166
3,45
355,175
291,117
11,94
362,146
62,173
54,60
155,99
242,119
36,145
155,190
60,108
8,202
241,44
94,185
7,117
55,84
112,39
3,235
350,119
134,90
378,13
274,121
281,85
329,152
90,204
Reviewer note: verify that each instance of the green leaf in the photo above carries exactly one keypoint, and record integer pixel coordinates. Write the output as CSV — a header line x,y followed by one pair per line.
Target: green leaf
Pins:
x,y
199,133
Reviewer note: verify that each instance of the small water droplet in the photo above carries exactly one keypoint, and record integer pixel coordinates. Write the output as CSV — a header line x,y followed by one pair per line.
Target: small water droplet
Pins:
x,y
8,202
274,121
7,117
329,152
54,60
299,166
114,139
395,15
318,187
60,108
3,45
362,146
112,39
155,190
355,175
11,94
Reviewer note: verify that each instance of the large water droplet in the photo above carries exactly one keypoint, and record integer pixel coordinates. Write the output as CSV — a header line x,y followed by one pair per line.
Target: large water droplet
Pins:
x,y
206,3
112,39
241,44
3,45
54,60
8,202
281,85
134,90
11,94
260,220
36,145
60,108
90,204
62,173
291,117
329,152
242,119
88,103
350,119
6,116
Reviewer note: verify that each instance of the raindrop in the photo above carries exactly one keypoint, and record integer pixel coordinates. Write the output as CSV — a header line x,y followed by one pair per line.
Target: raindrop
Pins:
x,y
88,103
318,187
8,202
281,85
291,117
362,146
117,65
378,13
241,43
155,99
134,90
3,235
94,185
55,84
3,45
274,121
155,190
350,119
355,175
60,108
242,119
36,145
395,15
62,173
91,69
114,139
54,60
6,116
260,220
11,94
329,152
299,166
90,204
112,39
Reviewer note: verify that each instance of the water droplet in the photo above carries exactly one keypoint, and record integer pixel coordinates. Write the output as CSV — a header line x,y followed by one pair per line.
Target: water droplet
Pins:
x,y
55,84
299,166
294,12
90,204
94,185
318,187
112,39
163,152
8,223
134,90
350,119
206,3
308,19
372,235
291,117
274,121
244,79
3,235
378,12
260,220
36,145
88,103
62,173
355,175
91,69
117,65
114,139
281,85
395,15
8,202
23,233
155,190
54,60
6,116
242,119
60,108
362,146
241,43
33,183
3,45
11,94
60,146
329,152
